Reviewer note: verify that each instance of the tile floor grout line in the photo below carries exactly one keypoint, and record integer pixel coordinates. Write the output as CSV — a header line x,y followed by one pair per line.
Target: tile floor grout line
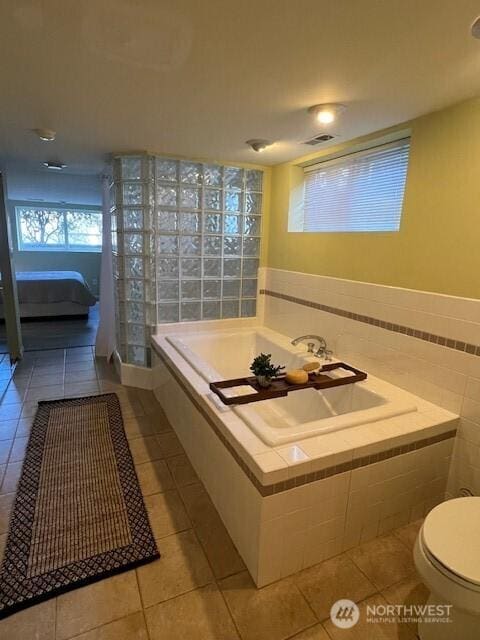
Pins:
x,y
215,579
142,609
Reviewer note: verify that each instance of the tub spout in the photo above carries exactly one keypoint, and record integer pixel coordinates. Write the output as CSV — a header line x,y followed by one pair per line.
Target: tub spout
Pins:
x,y
322,344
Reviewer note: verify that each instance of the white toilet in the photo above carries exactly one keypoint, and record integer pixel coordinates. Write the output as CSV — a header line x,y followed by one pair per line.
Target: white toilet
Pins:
x,y
447,557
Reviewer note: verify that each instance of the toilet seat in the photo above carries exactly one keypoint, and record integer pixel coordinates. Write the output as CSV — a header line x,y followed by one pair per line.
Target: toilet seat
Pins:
x,y
450,538
445,571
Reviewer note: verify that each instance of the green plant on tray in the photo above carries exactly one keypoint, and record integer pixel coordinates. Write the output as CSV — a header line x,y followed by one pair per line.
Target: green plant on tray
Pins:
x,y
264,370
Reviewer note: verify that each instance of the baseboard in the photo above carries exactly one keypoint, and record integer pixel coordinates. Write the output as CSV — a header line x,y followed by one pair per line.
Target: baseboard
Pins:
x,y
132,376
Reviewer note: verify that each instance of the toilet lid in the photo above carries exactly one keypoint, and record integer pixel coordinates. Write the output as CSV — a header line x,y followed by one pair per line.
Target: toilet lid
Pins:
x,y
451,533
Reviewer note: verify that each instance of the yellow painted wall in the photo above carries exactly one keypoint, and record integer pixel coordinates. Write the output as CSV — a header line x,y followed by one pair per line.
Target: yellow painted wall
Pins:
x,y
438,245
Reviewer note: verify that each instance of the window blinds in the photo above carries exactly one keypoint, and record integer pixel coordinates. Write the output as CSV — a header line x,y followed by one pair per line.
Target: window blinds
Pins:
x,y
359,192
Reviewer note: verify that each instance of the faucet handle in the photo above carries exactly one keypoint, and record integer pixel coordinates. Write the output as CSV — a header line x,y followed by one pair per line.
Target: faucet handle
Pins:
x,y
310,347
327,354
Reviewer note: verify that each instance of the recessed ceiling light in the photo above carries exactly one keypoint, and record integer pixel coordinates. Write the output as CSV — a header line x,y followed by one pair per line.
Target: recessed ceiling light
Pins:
x,y
258,144
475,29
54,166
326,113
47,135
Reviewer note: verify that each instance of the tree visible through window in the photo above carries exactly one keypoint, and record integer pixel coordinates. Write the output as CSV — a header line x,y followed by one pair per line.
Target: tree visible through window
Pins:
x,y
50,229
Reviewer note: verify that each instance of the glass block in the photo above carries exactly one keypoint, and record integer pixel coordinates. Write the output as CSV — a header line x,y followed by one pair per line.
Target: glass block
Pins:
x,y
249,288
230,309
167,312
132,193
212,245
167,268
190,222
132,219
136,334
212,267
133,243
191,289
131,168
232,267
233,178
232,224
213,199
134,290
212,289
211,310
167,221
212,223
117,265
122,349
150,293
249,308
136,355
166,195
191,172
190,311
190,245
168,290
135,312
113,222
212,175
253,180
252,225
231,289
232,246
253,203
191,267
167,245
250,268
166,170
190,198
233,201
115,241
251,246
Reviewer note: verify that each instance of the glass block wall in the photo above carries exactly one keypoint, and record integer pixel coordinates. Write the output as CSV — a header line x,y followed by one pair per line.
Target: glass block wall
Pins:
x,y
133,245
187,245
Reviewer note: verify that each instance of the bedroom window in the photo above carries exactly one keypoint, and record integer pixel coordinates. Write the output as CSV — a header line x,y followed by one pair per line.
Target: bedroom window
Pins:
x,y
359,192
57,229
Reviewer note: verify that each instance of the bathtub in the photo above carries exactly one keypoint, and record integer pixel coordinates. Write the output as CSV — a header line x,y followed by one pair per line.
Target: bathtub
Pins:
x,y
302,414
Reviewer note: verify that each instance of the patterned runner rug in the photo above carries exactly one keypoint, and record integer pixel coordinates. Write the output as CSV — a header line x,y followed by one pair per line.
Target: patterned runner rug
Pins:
x,y
79,514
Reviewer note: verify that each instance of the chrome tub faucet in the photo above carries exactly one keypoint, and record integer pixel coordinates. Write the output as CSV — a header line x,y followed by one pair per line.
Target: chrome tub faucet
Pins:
x,y
322,350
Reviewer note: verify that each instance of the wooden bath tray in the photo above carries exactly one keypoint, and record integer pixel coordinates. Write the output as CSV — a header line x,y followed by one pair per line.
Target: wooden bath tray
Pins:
x,y
280,387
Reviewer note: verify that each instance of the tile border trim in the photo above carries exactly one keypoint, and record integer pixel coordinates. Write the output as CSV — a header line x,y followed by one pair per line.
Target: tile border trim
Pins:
x,y
458,345
302,479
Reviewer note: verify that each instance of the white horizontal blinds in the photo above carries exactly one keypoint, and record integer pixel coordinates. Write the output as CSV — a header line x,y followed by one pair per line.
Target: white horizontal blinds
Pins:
x,y
359,192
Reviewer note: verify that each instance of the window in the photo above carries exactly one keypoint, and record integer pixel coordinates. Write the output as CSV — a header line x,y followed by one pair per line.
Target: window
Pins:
x,y
362,191
56,229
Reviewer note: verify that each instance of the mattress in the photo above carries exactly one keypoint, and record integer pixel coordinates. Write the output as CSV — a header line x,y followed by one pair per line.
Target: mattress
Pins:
x,y
47,287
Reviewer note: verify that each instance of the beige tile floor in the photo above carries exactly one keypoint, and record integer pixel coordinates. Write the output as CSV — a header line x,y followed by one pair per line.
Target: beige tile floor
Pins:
x,y
199,589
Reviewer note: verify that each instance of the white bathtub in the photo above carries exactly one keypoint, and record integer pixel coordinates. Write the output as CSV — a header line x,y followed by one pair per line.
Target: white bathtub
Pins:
x,y
222,355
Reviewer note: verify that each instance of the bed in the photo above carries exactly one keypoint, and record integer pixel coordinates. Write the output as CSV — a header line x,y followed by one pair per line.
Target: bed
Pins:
x,y
52,293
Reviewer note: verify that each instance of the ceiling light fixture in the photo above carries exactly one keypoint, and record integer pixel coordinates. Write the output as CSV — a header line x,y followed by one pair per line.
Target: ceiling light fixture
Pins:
x,y
326,113
258,144
54,166
47,135
475,29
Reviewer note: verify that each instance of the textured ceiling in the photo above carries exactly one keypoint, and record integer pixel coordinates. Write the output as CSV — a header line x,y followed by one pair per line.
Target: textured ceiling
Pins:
x,y
198,78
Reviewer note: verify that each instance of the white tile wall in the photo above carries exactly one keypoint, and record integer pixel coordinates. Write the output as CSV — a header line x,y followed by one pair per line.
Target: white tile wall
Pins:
x,y
444,376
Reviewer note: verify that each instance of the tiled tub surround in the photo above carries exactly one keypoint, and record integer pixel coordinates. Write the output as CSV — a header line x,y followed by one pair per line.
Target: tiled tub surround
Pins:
x,y
289,507
442,370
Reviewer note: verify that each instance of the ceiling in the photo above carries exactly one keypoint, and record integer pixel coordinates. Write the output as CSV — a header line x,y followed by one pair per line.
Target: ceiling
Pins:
x,y
199,77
